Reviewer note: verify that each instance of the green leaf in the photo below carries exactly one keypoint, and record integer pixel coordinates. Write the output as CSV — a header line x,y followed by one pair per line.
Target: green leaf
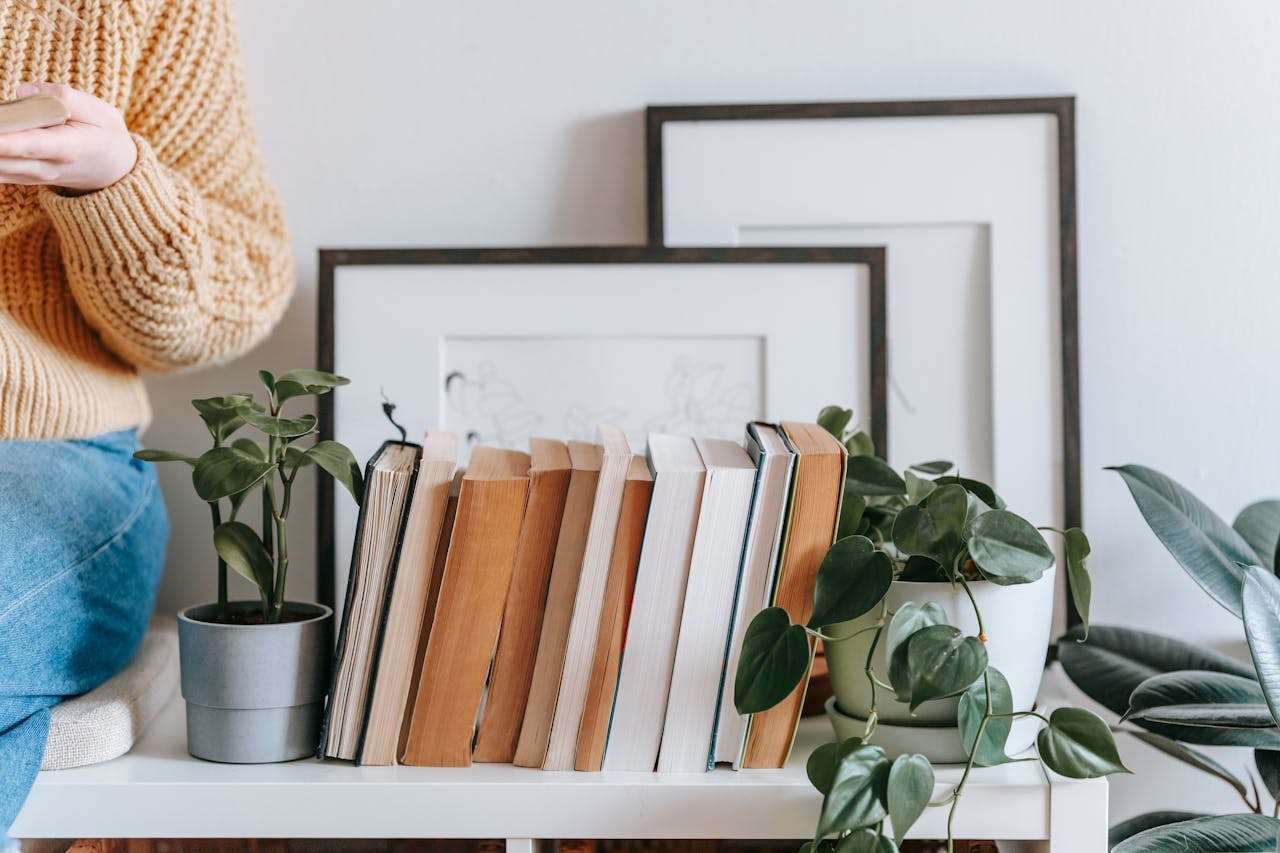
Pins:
x,y
932,529
1261,610
240,547
226,471
852,579
1077,744
869,476
288,390
295,457
857,794
1127,828
1259,525
1007,548
908,619
313,379
1195,687
337,461
918,488
910,787
984,492
268,380
835,420
1268,763
1198,539
973,706
280,427
851,509
1211,708
865,841
920,569
1234,833
163,456
1191,757
937,466
774,660
976,507
1233,718
823,761
251,447
860,444
942,662
1077,548
221,415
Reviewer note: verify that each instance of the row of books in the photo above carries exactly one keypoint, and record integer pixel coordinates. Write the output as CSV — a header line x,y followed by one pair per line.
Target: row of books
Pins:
x,y
578,606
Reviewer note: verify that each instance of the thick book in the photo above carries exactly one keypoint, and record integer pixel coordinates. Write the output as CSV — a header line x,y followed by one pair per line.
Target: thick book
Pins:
x,y
769,509
714,568
815,510
535,729
407,599
618,591
380,527
473,594
32,112
580,645
512,673
644,677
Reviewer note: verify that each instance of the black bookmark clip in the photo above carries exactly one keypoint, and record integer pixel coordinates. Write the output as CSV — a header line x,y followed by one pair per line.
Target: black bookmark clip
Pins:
x,y
388,408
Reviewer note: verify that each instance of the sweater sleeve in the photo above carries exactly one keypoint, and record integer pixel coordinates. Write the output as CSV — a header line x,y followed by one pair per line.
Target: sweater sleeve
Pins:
x,y
186,260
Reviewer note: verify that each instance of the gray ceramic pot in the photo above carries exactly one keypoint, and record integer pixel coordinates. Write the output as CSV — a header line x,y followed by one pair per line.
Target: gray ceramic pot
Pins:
x,y
254,693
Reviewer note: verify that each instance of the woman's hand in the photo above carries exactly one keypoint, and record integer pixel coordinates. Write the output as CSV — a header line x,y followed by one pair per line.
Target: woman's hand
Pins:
x,y
91,151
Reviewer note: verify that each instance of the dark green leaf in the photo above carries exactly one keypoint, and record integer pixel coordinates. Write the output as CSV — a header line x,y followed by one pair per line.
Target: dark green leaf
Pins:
x,y
313,378
1259,525
1204,707
851,509
774,660
251,447
976,507
973,706
1256,718
823,761
1127,828
932,528
865,841
1191,757
1198,539
1077,548
227,471
221,415
1268,763
280,427
860,444
1195,687
295,457
867,475
918,488
1261,609
1234,833
984,492
336,460
1007,548
910,787
163,456
288,390
937,466
857,794
920,569
835,420
240,547
268,381
942,662
852,579
908,619
1078,744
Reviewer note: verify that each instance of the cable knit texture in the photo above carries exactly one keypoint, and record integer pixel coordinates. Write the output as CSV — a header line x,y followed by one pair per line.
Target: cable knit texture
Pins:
x,y
184,261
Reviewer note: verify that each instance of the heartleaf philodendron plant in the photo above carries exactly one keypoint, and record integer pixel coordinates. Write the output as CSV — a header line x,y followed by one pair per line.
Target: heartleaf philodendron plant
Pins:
x,y
229,472
1179,695
924,525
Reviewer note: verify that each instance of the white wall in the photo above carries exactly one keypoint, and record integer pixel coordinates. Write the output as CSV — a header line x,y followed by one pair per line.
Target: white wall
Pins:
x,y
488,122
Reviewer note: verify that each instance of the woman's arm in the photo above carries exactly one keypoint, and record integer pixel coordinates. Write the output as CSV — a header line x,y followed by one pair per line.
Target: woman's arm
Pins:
x,y
185,259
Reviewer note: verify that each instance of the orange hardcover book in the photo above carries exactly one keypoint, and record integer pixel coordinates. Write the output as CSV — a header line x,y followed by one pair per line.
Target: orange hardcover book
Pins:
x,y
535,729
512,674
473,595
594,731
815,509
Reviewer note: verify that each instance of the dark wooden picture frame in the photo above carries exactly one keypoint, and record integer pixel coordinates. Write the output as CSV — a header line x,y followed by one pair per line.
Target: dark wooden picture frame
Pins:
x,y
872,257
1062,108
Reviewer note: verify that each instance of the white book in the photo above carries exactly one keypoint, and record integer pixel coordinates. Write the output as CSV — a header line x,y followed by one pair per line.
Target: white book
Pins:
x,y
776,464
562,748
709,598
644,677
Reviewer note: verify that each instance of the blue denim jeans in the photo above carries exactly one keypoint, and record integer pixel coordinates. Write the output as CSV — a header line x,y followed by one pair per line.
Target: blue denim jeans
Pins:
x,y
82,538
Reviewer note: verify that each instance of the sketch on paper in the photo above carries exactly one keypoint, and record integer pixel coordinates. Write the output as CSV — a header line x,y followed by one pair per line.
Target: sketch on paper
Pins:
x,y
502,391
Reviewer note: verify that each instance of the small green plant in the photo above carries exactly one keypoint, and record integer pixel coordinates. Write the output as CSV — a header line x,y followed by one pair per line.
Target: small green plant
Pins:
x,y
226,475
926,524
1175,696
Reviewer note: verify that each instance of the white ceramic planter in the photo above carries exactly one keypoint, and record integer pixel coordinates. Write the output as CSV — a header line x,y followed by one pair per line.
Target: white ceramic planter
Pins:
x,y
1017,621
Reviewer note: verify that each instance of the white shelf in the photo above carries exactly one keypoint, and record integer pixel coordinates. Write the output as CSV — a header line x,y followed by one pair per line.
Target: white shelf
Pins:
x,y
158,791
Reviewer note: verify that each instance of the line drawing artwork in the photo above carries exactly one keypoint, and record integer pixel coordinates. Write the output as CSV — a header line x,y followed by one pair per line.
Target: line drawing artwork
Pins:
x,y
502,392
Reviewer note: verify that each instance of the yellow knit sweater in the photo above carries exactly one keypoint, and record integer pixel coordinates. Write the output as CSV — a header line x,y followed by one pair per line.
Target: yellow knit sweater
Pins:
x,y
184,261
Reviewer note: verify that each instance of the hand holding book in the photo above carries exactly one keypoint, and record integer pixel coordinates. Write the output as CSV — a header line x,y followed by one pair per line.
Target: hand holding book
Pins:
x,y
54,135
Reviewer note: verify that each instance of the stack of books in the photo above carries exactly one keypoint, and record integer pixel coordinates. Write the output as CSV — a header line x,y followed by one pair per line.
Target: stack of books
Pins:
x,y
577,607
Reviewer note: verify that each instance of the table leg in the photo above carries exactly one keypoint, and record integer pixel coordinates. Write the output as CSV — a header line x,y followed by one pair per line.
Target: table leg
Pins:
x,y
1077,816
524,845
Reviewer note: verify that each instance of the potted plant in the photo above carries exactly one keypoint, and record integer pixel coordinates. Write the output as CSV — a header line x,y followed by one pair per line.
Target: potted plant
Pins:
x,y
933,606
255,673
1176,696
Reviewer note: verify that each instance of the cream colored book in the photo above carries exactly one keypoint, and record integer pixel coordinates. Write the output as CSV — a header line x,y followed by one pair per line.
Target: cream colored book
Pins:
x,y
32,112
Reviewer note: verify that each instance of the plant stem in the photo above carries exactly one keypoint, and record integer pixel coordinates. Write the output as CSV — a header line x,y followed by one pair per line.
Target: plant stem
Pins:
x,y
282,555
982,633
821,636
216,509
955,796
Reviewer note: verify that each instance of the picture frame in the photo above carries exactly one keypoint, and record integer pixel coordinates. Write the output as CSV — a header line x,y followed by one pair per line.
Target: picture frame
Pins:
x,y
413,326
975,200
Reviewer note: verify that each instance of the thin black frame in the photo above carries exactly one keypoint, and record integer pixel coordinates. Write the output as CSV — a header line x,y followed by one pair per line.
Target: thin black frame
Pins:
x,y
872,257
1062,108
